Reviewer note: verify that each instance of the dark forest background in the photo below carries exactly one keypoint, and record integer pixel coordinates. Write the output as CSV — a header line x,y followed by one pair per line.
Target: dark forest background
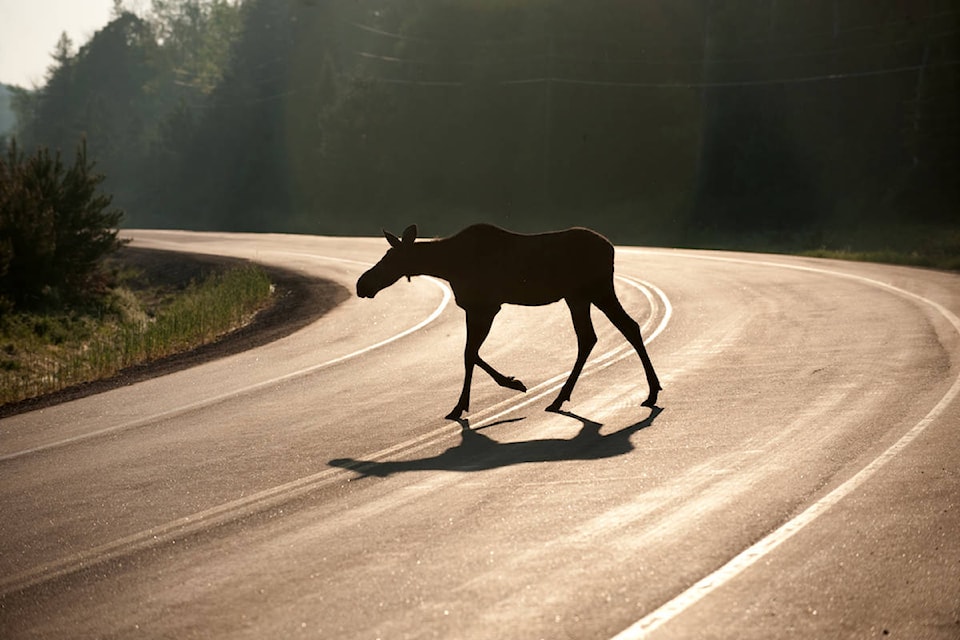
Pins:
x,y
751,123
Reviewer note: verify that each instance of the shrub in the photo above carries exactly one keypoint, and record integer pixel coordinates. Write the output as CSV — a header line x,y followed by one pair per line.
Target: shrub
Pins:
x,y
55,227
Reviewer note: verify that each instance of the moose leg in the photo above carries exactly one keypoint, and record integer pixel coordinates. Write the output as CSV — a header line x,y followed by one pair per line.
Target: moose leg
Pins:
x,y
586,339
479,321
611,307
504,381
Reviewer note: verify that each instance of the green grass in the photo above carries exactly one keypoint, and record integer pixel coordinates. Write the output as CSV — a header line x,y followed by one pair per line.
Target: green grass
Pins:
x,y
931,247
933,260
887,257
45,352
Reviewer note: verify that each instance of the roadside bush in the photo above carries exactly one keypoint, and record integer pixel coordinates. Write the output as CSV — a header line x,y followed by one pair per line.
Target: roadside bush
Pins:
x,y
55,227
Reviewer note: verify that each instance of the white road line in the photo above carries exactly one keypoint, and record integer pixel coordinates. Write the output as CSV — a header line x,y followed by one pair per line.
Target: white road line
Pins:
x,y
207,402
670,610
538,391
283,493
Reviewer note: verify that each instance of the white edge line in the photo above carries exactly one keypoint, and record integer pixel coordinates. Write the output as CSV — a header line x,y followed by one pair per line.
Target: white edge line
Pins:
x,y
601,362
538,391
206,402
290,490
742,561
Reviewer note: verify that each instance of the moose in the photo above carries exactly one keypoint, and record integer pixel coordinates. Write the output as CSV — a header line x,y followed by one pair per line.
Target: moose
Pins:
x,y
488,267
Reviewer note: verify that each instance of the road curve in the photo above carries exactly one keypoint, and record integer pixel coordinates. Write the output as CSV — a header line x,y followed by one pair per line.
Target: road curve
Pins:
x,y
799,476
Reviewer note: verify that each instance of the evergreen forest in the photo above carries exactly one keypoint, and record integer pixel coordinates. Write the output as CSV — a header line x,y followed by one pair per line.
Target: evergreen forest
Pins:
x,y
750,123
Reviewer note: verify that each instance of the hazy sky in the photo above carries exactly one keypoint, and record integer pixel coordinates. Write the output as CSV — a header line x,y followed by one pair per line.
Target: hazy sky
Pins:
x,y
29,30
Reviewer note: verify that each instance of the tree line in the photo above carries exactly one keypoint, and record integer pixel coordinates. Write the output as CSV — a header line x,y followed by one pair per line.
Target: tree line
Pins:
x,y
659,121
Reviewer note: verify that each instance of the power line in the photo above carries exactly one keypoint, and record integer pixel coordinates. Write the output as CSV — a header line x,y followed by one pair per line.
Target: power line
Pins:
x,y
648,62
741,83
602,83
643,61
394,59
779,38
395,36
408,38
561,80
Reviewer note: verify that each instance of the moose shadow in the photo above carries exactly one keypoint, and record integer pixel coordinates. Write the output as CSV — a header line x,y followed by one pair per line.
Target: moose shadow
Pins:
x,y
478,452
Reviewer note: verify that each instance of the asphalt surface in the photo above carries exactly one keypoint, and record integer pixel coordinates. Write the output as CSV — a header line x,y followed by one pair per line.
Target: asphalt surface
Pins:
x,y
799,477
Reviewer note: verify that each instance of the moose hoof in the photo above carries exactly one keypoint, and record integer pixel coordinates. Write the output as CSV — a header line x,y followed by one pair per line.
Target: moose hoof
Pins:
x,y
455,414
554,406
652,400
513,383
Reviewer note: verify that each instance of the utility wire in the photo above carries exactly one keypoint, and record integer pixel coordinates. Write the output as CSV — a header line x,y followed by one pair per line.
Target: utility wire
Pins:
x,y
425,63
606,60
741,83
648,62
596,83
778,37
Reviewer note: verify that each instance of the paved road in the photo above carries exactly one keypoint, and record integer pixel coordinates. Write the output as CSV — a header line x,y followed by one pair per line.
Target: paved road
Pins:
x,y
799,479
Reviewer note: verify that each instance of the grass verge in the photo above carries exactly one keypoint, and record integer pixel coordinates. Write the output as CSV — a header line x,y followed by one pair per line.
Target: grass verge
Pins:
x,y
933,260
138,321
916,246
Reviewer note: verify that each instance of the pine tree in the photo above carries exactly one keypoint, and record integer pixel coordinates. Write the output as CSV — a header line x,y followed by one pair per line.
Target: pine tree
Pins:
x,y
55,226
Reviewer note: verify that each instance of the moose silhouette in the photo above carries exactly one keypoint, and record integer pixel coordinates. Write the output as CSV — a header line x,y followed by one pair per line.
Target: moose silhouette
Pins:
x,y
488,267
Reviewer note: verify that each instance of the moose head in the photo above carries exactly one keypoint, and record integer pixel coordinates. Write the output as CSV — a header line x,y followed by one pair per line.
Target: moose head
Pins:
x,y
396,262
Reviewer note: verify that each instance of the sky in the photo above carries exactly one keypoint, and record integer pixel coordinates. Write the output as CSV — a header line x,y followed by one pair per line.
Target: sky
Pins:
x,y
29,30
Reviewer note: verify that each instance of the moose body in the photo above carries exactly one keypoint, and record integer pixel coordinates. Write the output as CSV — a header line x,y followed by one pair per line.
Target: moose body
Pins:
x,y
488,267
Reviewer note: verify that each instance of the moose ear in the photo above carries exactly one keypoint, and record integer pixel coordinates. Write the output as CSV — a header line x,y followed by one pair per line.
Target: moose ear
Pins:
x,y
410,234
392,239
